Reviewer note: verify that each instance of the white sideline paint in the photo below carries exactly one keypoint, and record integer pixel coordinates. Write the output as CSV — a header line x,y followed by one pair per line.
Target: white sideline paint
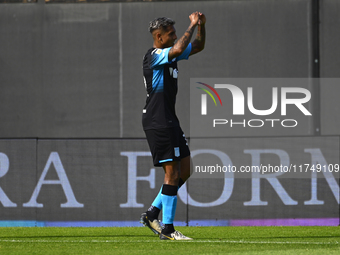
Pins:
x,y
156,241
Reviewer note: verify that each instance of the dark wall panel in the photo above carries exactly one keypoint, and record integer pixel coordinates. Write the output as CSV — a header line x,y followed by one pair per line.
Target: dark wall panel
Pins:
x,y
330,105
21,70
74,70
289,194
329,38
60,75
110,182
329,66
78,180
257,39
81,71
18,178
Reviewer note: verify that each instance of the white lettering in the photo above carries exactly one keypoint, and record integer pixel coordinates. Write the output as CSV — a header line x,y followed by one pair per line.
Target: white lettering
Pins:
x,y
63,181
238,97
228,182
219,121
298,102
256,120
262,112
271,178
243,123
291,120
318,158
204,104
4,167
133,178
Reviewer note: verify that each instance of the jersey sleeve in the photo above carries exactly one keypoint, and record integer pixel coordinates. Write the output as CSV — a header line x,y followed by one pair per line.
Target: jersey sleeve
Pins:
x,y
161,56
185,54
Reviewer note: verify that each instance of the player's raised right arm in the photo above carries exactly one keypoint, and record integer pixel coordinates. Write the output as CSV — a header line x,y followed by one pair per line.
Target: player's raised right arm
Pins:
x,y
184,41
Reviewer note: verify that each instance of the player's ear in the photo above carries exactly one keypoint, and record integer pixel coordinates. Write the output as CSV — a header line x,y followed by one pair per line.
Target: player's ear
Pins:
x,y
159,37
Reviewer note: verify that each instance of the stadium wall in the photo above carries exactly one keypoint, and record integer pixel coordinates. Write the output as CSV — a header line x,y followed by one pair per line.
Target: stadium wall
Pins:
x,y
109,182
72,149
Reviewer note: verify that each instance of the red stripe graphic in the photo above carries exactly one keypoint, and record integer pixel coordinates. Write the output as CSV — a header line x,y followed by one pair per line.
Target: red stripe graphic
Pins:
x,y
212,90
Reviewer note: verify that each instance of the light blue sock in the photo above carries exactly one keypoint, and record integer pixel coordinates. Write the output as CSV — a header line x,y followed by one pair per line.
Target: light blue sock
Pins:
x,y
169,208
158,200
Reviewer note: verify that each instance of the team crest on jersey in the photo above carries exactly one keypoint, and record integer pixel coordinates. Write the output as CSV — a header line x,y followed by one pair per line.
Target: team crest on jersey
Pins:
x,y
159,51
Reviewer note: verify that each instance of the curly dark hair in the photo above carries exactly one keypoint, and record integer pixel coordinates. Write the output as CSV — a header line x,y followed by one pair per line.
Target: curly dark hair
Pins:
x,y
160,23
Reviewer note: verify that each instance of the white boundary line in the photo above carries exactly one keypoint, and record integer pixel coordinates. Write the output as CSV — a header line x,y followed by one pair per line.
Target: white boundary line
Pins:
x,y
154,241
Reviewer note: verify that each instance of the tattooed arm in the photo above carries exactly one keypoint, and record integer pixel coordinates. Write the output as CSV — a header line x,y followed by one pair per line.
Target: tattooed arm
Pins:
x,y
199,42
184,41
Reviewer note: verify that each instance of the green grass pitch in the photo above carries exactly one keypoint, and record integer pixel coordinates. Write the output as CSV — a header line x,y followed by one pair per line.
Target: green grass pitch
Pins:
x,y
140,240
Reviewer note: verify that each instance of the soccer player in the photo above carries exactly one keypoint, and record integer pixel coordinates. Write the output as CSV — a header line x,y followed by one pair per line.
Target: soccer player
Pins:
x,y
165,137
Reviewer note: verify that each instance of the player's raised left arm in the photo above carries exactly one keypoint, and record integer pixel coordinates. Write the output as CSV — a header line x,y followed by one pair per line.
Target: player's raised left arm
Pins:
x,y
199,42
